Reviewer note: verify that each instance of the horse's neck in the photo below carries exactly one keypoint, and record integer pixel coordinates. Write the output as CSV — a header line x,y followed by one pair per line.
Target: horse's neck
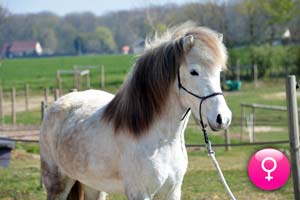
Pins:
x,y
169,125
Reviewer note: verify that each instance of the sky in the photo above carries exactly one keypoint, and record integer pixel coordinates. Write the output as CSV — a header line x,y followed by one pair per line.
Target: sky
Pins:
x,y
62,7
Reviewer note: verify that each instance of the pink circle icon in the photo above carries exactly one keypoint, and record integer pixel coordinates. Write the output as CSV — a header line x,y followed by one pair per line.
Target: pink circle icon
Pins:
x,y
268,169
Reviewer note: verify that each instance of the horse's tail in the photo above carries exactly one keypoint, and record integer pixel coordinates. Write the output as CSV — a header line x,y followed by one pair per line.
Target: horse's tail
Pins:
x,y
76,192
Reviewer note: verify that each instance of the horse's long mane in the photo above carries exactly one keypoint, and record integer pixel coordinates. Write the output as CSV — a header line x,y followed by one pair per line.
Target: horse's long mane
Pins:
x,y
147,89
145,93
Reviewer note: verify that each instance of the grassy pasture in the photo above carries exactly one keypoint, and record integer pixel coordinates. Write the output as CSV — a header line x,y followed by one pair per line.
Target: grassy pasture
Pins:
x,y
21,180
41,72
201,182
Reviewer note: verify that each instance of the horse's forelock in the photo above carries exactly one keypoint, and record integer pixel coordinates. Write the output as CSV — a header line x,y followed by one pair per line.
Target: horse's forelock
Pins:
x,y
211,41
143,97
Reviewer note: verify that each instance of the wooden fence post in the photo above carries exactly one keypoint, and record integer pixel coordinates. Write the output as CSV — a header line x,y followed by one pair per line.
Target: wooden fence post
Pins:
x,y
250,125
227,139
75,78
88,81
46,94
1,107
58,80
26,97
238,71
13,106
253,123
102,76
56,94
242,122
43,109
79,82
255,74
291,99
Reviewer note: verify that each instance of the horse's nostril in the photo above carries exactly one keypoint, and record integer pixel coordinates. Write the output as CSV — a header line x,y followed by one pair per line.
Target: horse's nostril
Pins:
x,y
219,119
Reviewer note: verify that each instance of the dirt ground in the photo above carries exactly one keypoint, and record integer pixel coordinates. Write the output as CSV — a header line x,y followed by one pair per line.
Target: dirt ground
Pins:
x,y
23,132
20,132
34,104
278,95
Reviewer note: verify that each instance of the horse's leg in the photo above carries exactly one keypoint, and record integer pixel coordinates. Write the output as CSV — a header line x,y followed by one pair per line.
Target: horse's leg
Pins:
x,y
135,187
135,193
174,193
102,196
137,196
90,193
57,184
169,193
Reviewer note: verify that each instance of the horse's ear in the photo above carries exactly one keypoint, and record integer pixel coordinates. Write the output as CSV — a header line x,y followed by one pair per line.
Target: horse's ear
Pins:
x,y
187,42
220,36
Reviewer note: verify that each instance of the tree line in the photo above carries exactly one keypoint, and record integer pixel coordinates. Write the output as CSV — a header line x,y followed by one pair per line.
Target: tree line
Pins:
x,y
242,22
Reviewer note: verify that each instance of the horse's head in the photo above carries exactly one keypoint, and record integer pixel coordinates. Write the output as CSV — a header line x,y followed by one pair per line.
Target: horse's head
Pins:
x,y
199,77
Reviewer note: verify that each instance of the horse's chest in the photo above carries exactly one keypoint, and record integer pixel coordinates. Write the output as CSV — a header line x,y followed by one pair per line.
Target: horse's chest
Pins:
x,y
167,168
173,164
170,170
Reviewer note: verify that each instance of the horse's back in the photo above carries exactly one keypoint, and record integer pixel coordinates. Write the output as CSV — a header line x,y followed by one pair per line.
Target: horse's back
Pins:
x,y
70,124
75,107
88,101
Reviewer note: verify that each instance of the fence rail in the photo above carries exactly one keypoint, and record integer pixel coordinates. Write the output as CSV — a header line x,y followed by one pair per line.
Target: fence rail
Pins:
x,y
267,107
254,117
187,145
240,144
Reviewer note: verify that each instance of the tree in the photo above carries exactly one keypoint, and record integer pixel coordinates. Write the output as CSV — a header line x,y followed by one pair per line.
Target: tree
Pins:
x,y
48,39
295,23
78,45
3,21
106,38
278,12
251,9
66,34
89,42
3,15
83,22
241,22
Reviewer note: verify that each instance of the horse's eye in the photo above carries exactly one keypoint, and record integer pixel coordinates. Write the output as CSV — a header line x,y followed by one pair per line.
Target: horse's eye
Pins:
x,y
194,73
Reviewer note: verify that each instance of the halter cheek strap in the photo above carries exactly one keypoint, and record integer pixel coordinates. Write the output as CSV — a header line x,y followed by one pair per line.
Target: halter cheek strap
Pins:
x,y
202,98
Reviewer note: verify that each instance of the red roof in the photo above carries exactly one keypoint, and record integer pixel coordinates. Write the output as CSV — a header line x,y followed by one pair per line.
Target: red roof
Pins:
x,y
22,46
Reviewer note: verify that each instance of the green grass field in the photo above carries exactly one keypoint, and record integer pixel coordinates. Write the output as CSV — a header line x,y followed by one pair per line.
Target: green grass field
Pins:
x,y
21,180
201,182
41,72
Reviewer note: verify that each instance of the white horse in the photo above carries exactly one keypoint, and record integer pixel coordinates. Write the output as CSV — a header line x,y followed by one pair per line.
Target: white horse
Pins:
x,y
133,142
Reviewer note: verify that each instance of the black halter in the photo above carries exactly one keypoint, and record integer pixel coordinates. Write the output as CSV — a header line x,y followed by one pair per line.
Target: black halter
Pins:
x,y
202,98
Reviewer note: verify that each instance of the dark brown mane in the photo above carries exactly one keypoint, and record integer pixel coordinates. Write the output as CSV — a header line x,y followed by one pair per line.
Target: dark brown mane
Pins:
x,y
144,95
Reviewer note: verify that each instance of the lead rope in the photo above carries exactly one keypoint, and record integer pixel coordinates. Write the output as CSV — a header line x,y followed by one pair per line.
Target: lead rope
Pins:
x,y
211,154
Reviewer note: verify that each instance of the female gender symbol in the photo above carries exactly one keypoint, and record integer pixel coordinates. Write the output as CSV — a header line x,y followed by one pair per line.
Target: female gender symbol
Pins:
x,y
268,161
269,177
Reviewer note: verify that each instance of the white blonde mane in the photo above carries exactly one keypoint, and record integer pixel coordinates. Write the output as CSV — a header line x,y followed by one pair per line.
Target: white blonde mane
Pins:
x,y
153,41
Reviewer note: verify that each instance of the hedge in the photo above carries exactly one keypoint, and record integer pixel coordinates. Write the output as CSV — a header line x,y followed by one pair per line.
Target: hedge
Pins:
x,y
270,60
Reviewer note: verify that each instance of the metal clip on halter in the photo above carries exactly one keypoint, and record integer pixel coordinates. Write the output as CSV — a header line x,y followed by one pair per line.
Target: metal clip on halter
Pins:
x,y
208,146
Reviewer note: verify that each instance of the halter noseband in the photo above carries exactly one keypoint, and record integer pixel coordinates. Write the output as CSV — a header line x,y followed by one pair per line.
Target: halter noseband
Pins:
x,y
202,98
